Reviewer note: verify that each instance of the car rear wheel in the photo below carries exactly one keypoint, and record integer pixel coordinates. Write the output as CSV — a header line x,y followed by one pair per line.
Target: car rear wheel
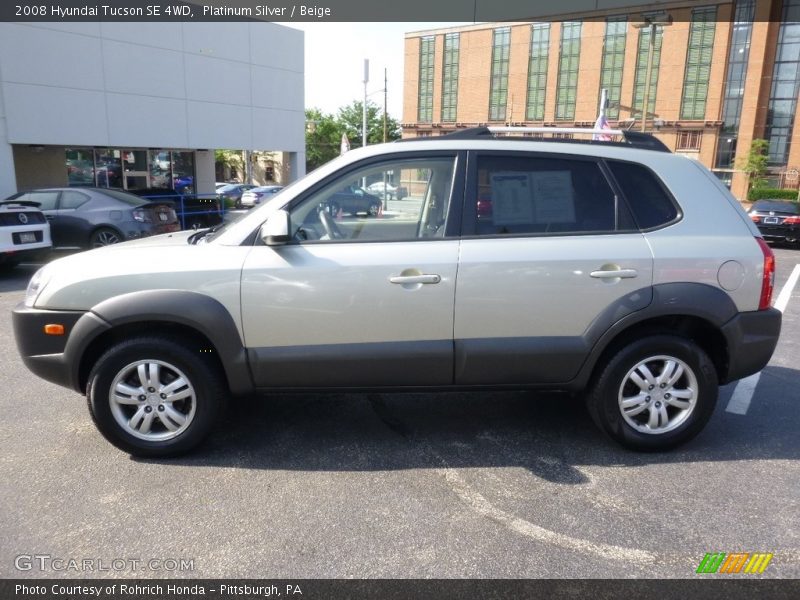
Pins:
x,y
152,396
105,236
374,209
655,393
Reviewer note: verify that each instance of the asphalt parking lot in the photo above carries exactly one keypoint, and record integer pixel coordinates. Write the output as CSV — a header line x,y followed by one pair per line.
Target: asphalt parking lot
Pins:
x,y
480,485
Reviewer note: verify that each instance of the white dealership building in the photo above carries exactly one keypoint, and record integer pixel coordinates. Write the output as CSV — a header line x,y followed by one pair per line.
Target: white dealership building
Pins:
x,y
144,105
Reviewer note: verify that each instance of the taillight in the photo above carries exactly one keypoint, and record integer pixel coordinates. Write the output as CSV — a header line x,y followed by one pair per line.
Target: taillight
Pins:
x,y
141,216
755,218
768,279
791,221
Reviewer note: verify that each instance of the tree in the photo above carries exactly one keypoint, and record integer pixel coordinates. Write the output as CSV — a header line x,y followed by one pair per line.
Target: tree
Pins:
x,y
323,138
324,131
755,164
351,119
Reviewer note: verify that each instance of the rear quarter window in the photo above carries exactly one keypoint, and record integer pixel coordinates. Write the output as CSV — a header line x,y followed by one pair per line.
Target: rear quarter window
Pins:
x,y
651,204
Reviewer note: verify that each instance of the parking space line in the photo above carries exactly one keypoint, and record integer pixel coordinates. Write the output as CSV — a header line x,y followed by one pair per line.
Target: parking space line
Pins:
x,y
786,291
745,388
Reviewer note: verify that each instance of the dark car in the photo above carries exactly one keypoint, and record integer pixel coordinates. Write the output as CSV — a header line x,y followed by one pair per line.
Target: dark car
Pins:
x,y
194,211
353,200
232,193
777,220
89,217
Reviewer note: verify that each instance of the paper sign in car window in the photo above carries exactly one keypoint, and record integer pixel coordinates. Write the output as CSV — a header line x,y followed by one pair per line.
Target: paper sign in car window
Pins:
x,y
554,201
512,203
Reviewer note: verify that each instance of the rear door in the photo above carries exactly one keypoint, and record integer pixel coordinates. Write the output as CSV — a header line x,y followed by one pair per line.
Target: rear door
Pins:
x,y
548,262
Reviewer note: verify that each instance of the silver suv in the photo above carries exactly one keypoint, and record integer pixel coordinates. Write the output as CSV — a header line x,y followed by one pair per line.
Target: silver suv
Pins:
x,y
613,268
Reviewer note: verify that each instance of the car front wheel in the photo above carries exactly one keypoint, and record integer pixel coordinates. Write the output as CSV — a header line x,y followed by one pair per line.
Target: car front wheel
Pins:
x,y
153,396
655,393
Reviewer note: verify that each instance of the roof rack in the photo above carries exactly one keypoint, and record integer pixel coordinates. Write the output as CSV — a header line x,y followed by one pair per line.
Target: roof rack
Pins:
x,y
599,136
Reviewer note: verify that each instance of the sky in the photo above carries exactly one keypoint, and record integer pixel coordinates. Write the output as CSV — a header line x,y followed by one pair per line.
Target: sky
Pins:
x,y
334,62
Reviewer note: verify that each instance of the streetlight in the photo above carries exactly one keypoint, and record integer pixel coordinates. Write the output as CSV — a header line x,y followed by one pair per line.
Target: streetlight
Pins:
x,y
364,111
385,91
652,22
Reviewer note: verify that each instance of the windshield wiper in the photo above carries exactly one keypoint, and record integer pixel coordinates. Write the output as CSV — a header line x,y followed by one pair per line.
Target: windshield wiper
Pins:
x,y
201,233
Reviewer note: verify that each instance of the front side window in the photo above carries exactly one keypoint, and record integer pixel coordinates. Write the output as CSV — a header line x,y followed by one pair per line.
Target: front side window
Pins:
x,y
522,195
404,199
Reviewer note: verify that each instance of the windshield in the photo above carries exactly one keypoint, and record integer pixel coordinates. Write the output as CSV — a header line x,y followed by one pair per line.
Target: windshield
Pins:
x,y
787,207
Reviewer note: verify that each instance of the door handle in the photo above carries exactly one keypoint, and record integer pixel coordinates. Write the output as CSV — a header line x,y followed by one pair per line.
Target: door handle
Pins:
x,y
614,274
424,278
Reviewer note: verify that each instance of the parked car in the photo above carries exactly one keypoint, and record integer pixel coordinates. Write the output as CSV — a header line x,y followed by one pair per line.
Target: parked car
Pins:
x,y
24,233
777,220
596,272
232,193
92,217
352,200
387,190
258,195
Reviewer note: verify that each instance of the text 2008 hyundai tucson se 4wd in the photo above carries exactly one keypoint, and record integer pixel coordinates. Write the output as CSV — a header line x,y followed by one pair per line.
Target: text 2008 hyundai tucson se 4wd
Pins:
x,y
615,268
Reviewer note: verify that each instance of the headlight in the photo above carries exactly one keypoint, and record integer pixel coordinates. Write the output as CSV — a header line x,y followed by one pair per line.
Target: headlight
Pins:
x,y
36,285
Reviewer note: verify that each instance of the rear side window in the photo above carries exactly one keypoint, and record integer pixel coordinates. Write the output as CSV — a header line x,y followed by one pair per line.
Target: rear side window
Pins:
x,y
45,200
649,201
520,195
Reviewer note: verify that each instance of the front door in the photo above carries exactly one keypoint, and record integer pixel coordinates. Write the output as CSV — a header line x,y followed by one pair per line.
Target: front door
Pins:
x,y
355,300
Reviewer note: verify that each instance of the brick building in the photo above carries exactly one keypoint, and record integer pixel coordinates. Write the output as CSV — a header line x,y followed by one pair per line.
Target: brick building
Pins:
x,y
723,73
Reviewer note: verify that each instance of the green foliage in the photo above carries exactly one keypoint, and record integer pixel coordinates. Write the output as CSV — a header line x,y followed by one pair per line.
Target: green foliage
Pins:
x,y
771,194
755,163
324,131
323,138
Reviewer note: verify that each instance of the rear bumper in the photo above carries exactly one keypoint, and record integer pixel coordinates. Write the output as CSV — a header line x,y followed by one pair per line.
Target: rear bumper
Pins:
x,y
751,339
25,254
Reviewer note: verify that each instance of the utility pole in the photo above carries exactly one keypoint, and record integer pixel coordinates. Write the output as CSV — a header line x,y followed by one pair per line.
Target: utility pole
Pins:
x,y
385,94
364,115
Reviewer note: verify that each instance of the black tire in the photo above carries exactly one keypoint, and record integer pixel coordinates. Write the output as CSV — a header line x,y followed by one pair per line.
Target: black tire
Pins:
x,y
604,398
202,373
104,236
373,210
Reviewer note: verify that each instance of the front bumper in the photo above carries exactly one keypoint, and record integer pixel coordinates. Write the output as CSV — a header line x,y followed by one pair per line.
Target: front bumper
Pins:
x,y
751,339
55,358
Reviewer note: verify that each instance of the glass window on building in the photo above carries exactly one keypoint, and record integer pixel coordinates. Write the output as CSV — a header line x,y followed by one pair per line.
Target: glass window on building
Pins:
x,y
569,58
108,167
641,70
689,140
498,92
738,55
450,78
160,169
80,167
613,61
183,172
785,81
698,63
425,99
537,71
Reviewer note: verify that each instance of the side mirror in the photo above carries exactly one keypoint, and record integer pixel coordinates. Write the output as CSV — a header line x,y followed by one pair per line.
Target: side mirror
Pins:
x,y
276,229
